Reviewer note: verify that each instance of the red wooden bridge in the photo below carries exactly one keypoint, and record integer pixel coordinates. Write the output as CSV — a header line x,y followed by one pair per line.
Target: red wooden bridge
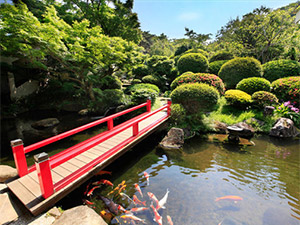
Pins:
x,y
51,178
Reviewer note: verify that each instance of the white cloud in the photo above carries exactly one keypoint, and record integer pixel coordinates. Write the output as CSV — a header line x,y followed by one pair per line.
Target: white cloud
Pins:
x,y
188,16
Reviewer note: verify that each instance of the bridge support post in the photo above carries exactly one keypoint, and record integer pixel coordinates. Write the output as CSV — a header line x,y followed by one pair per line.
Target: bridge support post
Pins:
x,y
135,130
169,107
44,173
110,124
19,156
149,105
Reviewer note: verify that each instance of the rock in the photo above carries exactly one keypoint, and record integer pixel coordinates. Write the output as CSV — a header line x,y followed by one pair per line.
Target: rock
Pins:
x,y
3,188
54,212
221,128
268,110
80,215
174,139
83,112
8,213
45,123
71,106
284,127
7,172
247,130
255,121
44,219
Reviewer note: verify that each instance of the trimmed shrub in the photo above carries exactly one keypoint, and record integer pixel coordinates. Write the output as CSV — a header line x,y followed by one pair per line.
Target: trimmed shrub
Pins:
x,y
277,69
263,98
194,62
135,87
152,79
239,68
221,55
140,71
214,67
198,50
237,98
287,89
210,79
178,113
140,96
106,99
196,97
163,67
254,84
109,82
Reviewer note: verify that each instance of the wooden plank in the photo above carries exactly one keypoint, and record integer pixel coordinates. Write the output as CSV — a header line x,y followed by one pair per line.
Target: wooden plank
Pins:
x,y
69,166
62,171
76,162
56,176
90,154
32,185
96,152
83,158
100,147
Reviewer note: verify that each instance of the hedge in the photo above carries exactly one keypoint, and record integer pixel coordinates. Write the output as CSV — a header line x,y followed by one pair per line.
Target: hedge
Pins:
x,y
254,84
237,98
135,87
153,79
214,67
221,55
194,62
263,98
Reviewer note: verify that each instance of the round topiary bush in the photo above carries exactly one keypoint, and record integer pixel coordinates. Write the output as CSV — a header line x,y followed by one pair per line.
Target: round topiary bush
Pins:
x,y
254,84
210,79
194,62
239,68
178,113
221,55
277,69
237,98
195,98
140,96
198,50
287,89
263,98
214,67
135,87
152,79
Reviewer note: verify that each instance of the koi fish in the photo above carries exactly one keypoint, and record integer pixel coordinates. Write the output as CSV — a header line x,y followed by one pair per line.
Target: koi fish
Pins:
x,y
118,187
230,197
102,181
106,215
170,222
87,202
122,188
140,209
163,201
112,207
102,172
87,188
137,201
132,217
137,187
92,190
153,198
124,195
157,218
120,208
146,175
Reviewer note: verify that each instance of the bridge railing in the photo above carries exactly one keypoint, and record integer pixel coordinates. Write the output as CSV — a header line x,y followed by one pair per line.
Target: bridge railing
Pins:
x,y
19,151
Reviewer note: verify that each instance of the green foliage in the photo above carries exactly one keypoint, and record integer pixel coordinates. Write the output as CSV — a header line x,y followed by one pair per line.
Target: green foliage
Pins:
x,y
181,49
274,70
136,81
194,62
287,89
220,56
254,84
263,98
140,71
197,50
239,68
135,87
141,95
178,114
237,98
288,110
206,78
215,66
163,67
105,99
197,97
152,79
109,82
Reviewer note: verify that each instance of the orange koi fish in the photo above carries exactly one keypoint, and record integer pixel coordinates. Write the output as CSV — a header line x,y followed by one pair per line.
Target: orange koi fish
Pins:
x,y
137,201
153,198
132,217
106,215
170,222
92,190
120,208
137,187
141,209
157,217
87,188
102,172
122,188
146,175
118,187
87,202
102,181
230,197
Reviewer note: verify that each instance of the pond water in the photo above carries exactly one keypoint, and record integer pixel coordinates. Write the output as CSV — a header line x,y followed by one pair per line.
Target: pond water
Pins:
x,y
265,176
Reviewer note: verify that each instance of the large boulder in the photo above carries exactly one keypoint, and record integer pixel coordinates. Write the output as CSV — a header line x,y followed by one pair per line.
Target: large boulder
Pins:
x,y
220,128
45,123
247,131
7,172
80,215
174,139
284,127
8,211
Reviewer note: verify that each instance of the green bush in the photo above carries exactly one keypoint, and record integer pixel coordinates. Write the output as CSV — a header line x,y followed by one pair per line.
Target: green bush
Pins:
x,y
214,67
135,87
140,71
198,50
254,84
153,79
140,96
105,99
194,62
178,113
197,97
221,55
237,98
136,81
239,68
263,98
277,69
287,89
109,82
210,79
163,67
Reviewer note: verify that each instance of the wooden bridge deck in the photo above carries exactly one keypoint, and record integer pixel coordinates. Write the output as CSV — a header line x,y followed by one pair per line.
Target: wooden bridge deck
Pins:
x,y
27,188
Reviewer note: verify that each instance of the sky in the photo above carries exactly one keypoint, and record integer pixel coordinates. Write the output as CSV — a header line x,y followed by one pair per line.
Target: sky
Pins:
x,y
203,16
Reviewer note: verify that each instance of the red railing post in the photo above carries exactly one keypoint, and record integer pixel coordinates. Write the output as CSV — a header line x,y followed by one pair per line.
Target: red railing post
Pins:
x,y
19,156
135,130
44,173
110,124
149,105
169,107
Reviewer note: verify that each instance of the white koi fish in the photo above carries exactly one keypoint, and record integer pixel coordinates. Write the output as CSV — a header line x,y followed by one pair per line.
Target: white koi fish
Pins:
x,y
137,187
146,175
126,196
163,201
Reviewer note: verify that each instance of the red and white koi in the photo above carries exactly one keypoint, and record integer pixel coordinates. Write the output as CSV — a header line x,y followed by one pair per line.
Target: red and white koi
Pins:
x,y
170,222
87,202
87,188
102,172
102,181
140,209
230,197
120,208
137,201
137,187
146,175
92,190
163,201
153,198
157,218
132,217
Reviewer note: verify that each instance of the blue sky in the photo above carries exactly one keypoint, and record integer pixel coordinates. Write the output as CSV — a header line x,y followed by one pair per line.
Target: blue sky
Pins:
x,y
203,16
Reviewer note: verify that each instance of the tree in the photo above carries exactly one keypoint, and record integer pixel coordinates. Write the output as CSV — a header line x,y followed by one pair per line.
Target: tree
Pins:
x,y
196,39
